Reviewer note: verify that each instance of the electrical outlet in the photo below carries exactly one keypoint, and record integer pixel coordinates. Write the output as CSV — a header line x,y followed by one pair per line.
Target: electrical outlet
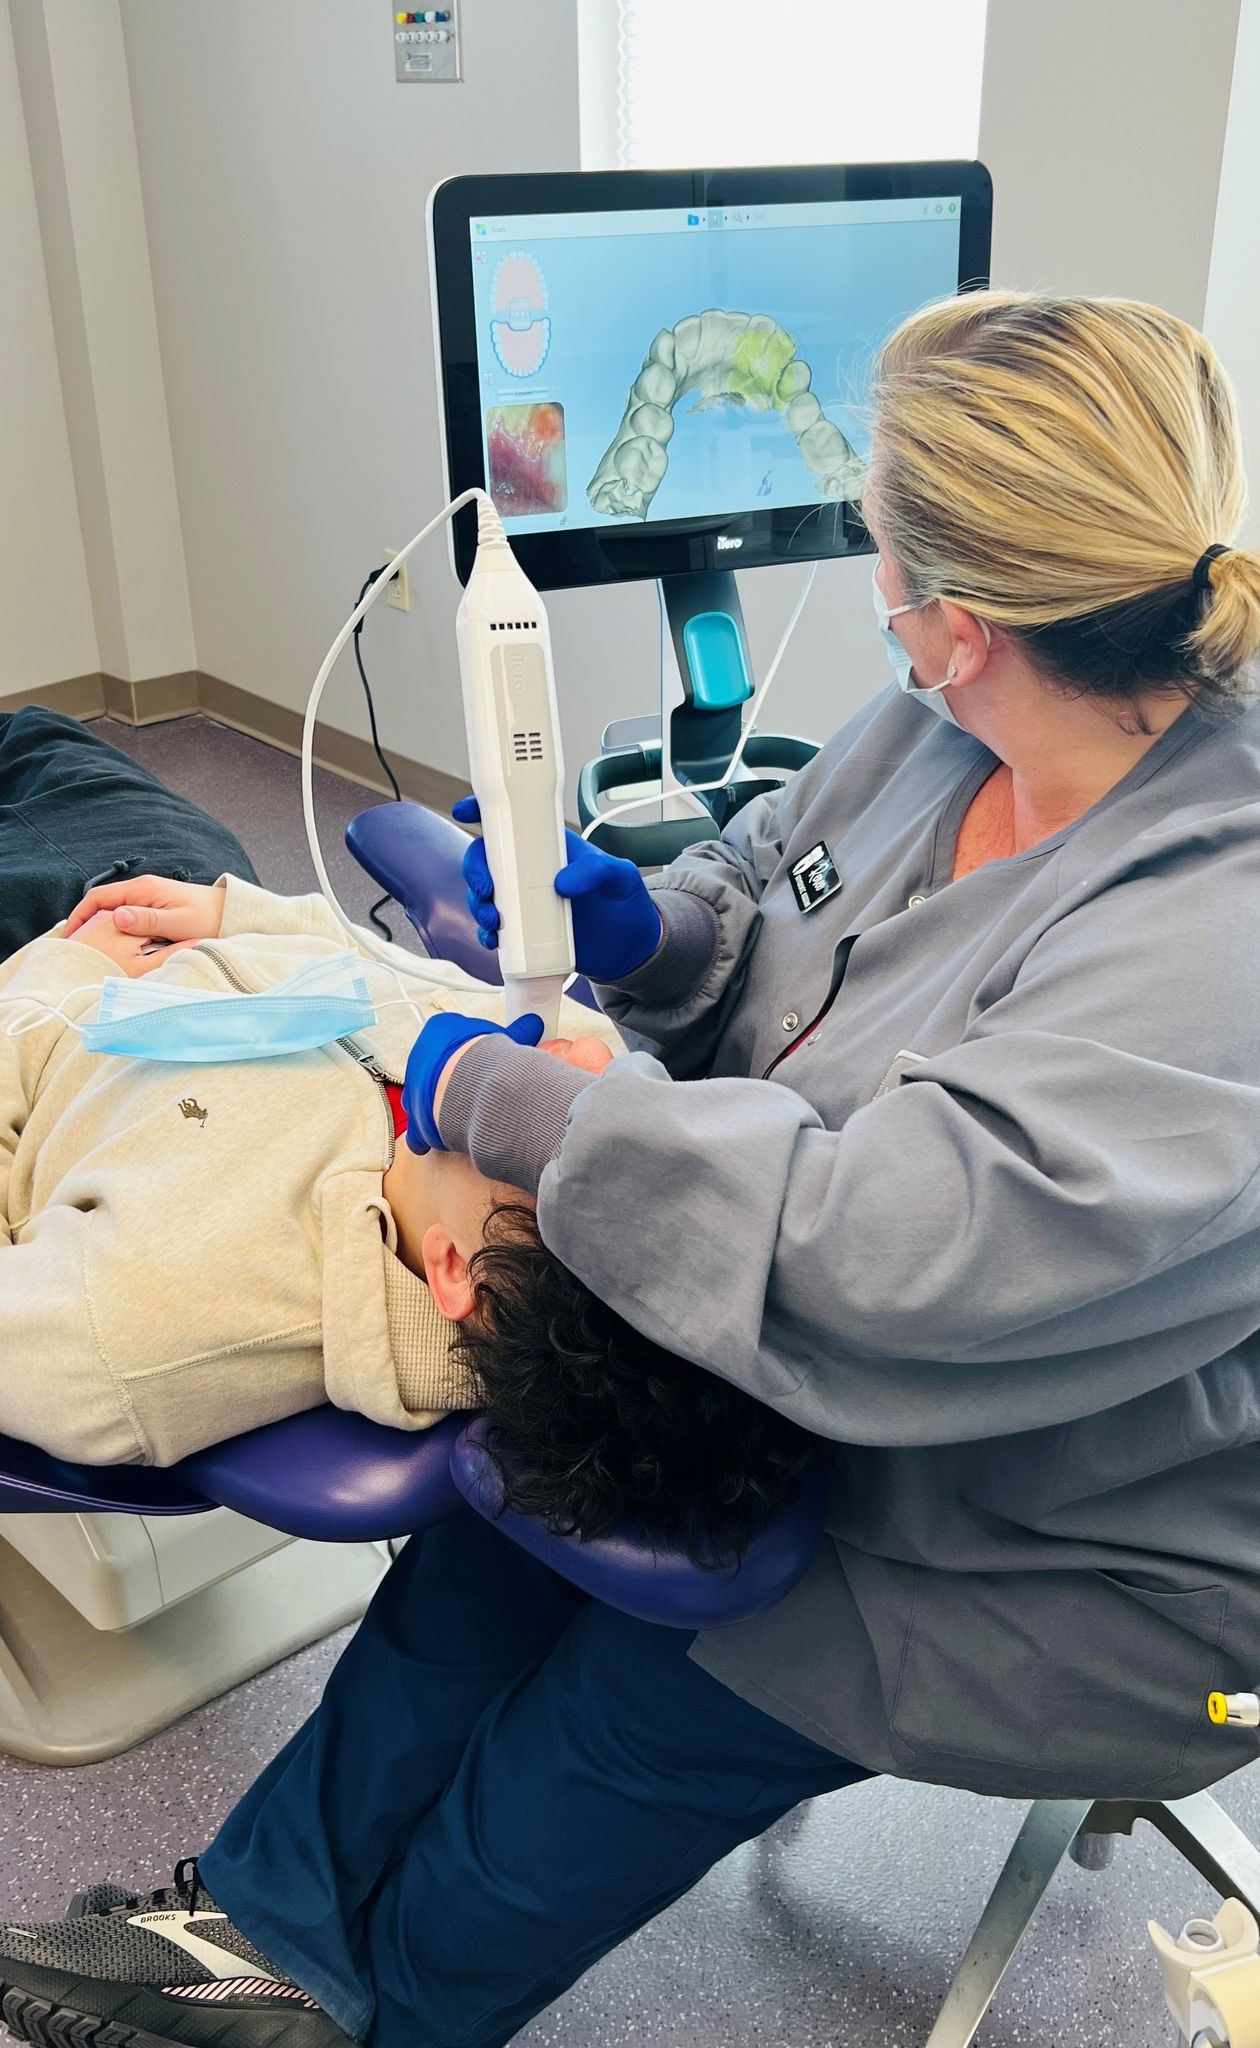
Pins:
x,y
399,592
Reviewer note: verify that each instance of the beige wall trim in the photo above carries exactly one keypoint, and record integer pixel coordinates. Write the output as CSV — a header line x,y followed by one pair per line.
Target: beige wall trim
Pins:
x,y
345,753
162,697
142,703
153,698
77,696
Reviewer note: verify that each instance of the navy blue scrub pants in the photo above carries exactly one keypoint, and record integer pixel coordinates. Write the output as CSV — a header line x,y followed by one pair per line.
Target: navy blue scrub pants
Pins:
x,y
503,1780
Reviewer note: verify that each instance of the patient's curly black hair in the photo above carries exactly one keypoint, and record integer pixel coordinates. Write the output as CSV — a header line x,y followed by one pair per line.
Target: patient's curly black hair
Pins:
x,y
590,1422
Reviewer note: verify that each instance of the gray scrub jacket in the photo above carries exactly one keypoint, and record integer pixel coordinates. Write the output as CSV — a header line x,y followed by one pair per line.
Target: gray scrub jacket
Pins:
x,y
963,1177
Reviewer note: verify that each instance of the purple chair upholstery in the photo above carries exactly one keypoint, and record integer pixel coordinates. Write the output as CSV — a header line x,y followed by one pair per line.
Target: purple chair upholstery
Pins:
x,y
335,1477
654,1582
418,856
342,1479
33,1483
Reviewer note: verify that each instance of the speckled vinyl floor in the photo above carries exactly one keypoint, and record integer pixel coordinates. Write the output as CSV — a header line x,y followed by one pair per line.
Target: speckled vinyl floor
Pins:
x,y
840,1929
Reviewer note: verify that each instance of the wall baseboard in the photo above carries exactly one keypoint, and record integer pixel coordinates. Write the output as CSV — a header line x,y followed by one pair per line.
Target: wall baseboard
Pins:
x,y
154,698
157,698
343,752
77,696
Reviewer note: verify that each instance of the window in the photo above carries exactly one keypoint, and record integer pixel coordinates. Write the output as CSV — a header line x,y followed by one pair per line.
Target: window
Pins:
x,y
779,81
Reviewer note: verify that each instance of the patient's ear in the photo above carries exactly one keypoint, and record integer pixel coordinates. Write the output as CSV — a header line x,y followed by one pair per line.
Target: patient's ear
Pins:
x,y
446,1270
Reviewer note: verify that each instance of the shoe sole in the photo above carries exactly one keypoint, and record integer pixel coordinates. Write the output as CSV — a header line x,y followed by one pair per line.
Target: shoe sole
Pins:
x,y
56,2026
47,2022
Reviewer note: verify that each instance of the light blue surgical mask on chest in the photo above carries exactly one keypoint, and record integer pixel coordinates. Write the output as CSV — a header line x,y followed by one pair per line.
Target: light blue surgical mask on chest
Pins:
x,y
899,661
149,1020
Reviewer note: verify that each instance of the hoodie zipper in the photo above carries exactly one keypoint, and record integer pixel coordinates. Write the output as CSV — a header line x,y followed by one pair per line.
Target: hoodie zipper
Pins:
x,y
362,1059
378,1074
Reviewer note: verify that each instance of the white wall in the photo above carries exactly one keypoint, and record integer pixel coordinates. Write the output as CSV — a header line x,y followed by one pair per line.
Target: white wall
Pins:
x,y
73,76
1232,318
46,627
1102,122
284,177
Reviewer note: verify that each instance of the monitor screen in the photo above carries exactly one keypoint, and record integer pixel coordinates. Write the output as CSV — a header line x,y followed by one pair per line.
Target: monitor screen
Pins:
x,y
696,372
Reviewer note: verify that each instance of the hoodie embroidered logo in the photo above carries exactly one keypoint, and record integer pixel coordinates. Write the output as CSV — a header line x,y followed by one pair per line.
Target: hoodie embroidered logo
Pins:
x,y
189,1108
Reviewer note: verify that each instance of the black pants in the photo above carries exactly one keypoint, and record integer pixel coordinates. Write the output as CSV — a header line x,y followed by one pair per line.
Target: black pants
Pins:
x,y
74,810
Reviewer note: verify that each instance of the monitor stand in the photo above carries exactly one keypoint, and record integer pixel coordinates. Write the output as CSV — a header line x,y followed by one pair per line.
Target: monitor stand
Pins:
x,y
706,623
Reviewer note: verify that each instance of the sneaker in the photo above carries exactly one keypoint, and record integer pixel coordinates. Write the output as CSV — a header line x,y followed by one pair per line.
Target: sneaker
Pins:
x,y
169,1971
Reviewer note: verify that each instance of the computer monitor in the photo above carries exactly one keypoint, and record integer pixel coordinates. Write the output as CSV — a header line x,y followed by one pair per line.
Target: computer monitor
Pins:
x,y
660,372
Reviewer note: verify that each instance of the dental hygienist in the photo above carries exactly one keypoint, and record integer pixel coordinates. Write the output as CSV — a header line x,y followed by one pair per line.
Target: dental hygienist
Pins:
x,y
943,1139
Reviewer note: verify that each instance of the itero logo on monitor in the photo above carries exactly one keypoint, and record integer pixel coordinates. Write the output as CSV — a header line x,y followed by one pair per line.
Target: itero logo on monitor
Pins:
x,y
729,540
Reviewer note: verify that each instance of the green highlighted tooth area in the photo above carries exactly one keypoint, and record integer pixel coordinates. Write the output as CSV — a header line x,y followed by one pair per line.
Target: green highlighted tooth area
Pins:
x,y
757,365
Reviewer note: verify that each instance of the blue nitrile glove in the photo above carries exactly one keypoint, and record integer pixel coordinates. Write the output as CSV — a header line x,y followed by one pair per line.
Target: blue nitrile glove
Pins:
x,y
426,1063
616,925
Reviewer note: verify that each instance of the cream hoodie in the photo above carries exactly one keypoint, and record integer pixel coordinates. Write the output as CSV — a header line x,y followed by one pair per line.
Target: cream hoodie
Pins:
x,y
189,1251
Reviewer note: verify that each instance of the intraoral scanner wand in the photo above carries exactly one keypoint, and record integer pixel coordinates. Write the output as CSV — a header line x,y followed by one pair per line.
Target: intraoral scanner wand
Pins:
x,y
516,769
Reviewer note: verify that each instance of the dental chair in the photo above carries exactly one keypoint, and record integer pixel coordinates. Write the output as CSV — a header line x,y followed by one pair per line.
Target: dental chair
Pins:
x,y
350,1485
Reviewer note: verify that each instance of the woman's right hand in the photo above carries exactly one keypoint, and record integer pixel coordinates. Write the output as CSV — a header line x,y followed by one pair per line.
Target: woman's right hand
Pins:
x,y
152,907
616,925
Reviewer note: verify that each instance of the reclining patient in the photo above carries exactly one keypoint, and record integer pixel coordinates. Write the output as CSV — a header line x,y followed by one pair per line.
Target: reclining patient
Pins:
x,y
188,1251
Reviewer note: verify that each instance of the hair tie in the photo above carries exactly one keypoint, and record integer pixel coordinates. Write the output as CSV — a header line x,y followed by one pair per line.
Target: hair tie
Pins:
x,y
1201,579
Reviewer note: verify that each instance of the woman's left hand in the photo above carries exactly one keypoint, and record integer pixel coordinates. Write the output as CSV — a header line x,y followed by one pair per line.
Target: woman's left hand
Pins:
x,y
444,1039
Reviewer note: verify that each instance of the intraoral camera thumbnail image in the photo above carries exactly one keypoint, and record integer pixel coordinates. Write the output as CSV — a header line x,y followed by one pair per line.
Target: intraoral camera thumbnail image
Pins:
x,y
525,445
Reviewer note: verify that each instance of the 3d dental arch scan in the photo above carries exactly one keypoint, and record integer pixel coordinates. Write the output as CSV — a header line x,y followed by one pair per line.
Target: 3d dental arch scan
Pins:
x,y
739,360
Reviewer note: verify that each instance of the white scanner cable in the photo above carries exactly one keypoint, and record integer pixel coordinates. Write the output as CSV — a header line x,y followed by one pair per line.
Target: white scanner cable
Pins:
x,y
392,956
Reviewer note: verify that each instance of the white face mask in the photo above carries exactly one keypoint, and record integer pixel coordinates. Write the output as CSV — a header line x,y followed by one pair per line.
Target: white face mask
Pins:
x,y
899,660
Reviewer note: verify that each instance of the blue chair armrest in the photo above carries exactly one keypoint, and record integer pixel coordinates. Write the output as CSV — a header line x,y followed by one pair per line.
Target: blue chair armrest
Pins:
x,y
651,1580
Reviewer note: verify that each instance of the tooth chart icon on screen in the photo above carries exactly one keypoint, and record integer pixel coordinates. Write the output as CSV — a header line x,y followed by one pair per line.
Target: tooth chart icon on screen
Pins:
x,y
519,327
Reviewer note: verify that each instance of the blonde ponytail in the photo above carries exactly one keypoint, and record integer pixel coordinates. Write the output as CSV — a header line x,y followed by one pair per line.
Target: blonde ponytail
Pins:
x,y
1227,636
1061,466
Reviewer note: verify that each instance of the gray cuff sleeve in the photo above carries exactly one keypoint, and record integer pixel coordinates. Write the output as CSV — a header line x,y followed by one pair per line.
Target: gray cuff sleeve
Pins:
x,y
507,1107
690,933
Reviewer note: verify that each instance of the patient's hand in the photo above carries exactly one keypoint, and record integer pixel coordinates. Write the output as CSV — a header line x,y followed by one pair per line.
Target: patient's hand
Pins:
x,y
591,1055
135,956
151,907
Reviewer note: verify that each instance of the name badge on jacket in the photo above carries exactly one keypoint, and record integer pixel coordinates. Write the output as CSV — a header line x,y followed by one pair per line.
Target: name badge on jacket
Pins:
x,y
814,878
